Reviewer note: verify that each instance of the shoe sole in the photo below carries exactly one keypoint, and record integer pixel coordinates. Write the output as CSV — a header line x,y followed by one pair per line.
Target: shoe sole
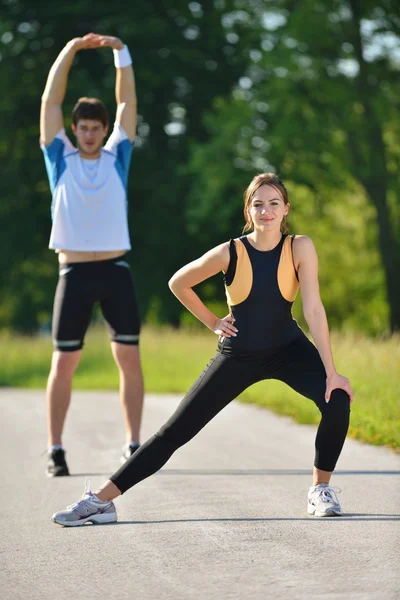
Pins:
x,y
94,519
311,510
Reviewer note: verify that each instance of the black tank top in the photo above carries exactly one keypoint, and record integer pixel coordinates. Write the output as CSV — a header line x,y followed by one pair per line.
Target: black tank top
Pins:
x,y
261,287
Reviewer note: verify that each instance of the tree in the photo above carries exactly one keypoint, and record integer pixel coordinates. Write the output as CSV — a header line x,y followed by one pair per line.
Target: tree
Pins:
x,y
182,61
226,88
323,110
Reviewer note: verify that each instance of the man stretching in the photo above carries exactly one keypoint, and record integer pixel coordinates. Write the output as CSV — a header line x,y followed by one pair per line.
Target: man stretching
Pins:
x,y
90,234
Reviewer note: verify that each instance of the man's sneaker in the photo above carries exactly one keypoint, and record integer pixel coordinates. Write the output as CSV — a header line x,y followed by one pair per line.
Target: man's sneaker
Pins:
x,y
323,502
128,450
56,464
88,508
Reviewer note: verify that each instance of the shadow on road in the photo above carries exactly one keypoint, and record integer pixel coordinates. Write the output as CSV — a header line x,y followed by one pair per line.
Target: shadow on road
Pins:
x,y
243,472
347,517
91,474
307,472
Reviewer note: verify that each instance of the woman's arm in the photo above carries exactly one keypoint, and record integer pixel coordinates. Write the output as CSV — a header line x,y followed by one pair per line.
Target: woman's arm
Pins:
x,y
305,256
199,270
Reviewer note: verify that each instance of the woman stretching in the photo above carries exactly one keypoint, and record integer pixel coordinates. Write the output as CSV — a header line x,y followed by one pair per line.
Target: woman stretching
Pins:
x,y
258,339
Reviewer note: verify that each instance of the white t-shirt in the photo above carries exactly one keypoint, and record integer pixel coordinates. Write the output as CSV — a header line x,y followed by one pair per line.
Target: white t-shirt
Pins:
x,y
89,206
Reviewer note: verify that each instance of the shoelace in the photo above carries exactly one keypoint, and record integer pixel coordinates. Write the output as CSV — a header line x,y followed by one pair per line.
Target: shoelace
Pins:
x,y
82,498
328,494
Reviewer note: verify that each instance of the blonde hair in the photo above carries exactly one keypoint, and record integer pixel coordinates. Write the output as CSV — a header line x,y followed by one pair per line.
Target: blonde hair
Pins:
x,y
264,179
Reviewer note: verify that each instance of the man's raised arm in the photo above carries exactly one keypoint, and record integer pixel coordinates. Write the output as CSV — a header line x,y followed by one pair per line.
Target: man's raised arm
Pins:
x,y
51,118
125,91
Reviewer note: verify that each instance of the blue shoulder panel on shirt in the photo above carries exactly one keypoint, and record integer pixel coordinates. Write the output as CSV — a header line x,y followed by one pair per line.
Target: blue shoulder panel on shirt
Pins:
x,y
124,153
54,160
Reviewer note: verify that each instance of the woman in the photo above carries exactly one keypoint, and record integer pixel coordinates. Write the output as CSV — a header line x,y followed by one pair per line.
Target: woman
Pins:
x,y
258,339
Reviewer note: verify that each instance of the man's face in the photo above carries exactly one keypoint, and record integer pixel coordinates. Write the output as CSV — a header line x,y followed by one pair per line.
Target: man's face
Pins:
x,y
89,137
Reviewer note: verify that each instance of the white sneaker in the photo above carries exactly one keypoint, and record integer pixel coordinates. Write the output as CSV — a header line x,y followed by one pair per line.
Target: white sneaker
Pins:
x,y
88,508
323,501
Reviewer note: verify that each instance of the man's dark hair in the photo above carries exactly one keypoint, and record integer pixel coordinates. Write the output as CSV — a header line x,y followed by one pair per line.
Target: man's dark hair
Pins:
x,y
90,108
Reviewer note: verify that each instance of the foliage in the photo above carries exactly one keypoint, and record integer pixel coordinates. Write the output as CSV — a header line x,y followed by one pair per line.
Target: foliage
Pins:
x,y
226,88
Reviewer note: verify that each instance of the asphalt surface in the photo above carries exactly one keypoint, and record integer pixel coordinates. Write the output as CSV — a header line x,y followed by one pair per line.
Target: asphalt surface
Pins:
x,y
225,518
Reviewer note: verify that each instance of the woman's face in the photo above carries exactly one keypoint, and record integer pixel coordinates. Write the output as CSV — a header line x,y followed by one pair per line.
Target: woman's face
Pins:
x,y
267,208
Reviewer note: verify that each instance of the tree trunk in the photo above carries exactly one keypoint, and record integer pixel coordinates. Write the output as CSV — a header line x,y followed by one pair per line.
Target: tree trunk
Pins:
x,y
373,173
389,250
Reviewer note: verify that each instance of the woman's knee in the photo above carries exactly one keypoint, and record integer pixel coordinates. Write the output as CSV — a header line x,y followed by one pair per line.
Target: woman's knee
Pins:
x,y
173,437
338,407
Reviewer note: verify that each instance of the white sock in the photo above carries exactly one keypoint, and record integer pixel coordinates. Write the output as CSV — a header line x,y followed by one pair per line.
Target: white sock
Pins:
x,y
97,499
314,487
55,447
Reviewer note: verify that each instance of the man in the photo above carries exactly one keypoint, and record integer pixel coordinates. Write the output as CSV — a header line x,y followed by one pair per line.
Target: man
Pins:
x,y
90,235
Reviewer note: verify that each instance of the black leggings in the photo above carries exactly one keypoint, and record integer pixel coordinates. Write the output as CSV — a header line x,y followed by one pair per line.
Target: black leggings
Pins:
x,y
225,377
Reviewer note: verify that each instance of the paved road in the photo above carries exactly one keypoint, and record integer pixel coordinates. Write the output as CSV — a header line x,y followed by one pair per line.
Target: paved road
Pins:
x,y
224,520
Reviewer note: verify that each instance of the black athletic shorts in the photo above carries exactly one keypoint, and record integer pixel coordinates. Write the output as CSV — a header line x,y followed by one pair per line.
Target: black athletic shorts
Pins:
x,y
80,286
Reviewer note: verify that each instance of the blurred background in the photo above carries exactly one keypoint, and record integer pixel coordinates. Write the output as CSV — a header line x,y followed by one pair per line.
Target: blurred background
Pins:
x,y
226,89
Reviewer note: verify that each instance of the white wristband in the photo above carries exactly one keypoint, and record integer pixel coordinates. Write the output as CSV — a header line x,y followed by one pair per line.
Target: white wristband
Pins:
x,y
122,58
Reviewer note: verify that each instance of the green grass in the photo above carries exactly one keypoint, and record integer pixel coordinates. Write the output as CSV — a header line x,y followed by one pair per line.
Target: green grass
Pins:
x,y
173,359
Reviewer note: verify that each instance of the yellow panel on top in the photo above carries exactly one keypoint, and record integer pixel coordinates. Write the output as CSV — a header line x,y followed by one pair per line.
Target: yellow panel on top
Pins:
x,y
287,281
242,283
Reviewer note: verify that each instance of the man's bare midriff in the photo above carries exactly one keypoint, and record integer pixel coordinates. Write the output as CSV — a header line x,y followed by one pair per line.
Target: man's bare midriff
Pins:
x,y
72,256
